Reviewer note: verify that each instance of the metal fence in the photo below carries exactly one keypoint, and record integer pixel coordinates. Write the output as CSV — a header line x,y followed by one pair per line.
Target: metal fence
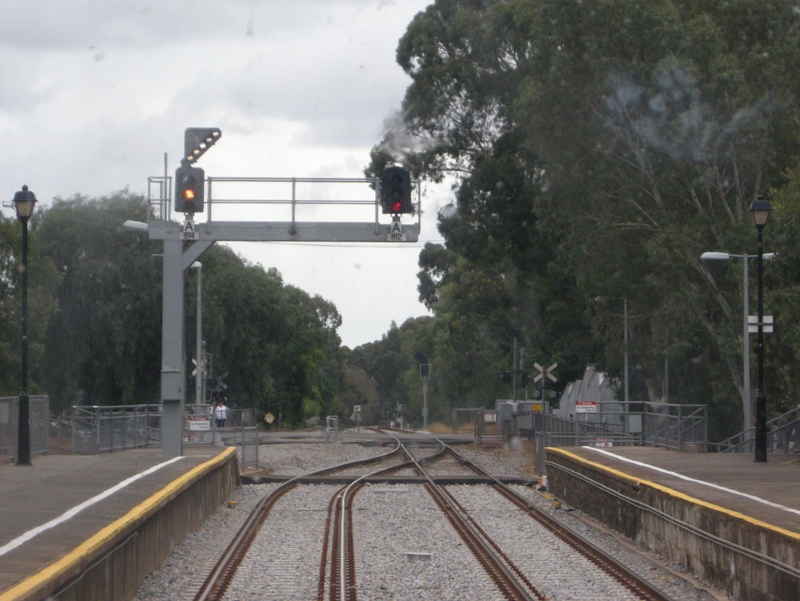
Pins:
x,y
655,424
60,433
98,429
473,421
542,440
247,439
9,424
104,429
783,436
201,427
554,431
675,426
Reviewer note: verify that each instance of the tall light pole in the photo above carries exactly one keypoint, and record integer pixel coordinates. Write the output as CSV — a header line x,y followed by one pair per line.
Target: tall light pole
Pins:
x,y
760,210
627,387
24,201
721,256
424,374
198,372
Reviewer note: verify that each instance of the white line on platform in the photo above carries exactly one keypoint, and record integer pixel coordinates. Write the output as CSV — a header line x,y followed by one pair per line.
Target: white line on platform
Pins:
x,y
688,479
78,508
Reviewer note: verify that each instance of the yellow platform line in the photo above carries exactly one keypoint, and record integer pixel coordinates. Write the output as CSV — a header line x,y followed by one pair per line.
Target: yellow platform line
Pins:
x,y
133,518
665,489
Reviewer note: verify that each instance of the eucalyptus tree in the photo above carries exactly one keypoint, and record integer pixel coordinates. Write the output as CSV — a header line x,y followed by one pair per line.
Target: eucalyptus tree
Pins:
x,y
608,144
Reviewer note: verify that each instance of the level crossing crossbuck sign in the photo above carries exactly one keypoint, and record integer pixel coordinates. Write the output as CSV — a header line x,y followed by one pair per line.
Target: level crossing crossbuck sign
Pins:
x,y
545,372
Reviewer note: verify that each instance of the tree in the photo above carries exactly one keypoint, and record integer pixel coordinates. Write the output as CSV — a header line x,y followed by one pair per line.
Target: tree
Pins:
x,y
599,148
42,278
103,342
276,345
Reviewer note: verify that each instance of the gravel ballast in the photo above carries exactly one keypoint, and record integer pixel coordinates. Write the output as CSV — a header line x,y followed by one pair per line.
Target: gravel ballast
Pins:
x,y
405,547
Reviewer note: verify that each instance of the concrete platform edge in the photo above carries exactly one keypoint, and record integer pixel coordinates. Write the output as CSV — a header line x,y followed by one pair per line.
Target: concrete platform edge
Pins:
x,y
742,576
91,555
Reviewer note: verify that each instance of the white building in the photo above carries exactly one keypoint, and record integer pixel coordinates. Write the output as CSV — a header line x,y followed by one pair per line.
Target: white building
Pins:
x,y
595,387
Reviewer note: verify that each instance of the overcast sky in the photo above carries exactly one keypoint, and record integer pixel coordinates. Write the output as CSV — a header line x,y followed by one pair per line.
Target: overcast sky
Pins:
x,y
92,94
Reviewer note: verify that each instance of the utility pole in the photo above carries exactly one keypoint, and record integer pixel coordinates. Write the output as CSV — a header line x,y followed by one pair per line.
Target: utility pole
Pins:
x,y
514,372
198,395
424,374
627,388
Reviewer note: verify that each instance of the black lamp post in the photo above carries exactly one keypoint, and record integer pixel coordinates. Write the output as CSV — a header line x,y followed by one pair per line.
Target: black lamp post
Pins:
x,y
760,210
24,201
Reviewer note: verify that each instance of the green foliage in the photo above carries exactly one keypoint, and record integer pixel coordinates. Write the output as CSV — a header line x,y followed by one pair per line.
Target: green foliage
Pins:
x,y
103,342
95,325
42,279
600,147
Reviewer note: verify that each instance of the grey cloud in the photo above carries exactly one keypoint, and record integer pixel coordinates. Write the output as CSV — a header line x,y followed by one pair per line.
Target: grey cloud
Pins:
x,y
80,24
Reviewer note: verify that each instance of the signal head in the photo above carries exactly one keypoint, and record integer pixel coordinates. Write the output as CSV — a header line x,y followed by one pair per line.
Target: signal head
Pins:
x,y
395,191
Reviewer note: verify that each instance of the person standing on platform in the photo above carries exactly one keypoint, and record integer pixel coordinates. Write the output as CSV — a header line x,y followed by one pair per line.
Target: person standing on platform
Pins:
x,y
221,413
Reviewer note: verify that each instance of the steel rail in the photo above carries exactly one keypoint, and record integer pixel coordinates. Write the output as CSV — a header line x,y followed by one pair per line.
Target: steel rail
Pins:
x,y
215,585
346,567
501,574
632,581
519,574
342,581
326,537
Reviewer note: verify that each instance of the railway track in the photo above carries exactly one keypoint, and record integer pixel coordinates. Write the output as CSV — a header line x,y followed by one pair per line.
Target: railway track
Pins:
x,y
511,573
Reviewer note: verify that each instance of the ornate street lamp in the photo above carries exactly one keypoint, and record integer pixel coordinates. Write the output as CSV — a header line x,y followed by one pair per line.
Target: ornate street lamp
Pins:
x,y
760,210
24,201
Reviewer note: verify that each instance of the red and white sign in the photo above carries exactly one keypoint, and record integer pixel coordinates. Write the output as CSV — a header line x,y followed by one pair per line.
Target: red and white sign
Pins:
x,y
585,407
199,423
490,417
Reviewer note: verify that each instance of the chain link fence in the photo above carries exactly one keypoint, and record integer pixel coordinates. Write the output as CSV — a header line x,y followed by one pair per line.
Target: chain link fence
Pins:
x,y
246,438
9,424
105,429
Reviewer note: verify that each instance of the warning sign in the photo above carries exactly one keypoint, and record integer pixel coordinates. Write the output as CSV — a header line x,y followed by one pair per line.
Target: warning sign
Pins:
x,y
199,423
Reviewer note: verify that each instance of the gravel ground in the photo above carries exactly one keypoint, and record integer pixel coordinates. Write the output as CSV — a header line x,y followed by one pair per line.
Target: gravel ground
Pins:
x,y
283,560
386,528
299,459
669,577
392,521
182,574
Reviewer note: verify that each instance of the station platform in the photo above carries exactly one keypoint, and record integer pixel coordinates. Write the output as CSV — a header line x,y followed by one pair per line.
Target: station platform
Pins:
x,y
67,514
724,517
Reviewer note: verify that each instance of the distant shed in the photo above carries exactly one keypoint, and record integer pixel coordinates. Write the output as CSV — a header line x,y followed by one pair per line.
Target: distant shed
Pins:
x,y
597,387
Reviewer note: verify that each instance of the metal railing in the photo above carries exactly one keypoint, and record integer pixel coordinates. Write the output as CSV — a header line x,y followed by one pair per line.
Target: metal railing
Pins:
x,y
662,424
9,424
201,426
283,192
542,440
97,429
472,420
673,426
60,433
783,435
247,439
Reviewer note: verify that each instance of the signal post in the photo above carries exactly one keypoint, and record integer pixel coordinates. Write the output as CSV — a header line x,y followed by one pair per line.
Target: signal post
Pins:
x,y
185,243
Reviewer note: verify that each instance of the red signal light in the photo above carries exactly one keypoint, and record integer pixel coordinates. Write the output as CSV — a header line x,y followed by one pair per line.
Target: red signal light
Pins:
x,y
395,191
